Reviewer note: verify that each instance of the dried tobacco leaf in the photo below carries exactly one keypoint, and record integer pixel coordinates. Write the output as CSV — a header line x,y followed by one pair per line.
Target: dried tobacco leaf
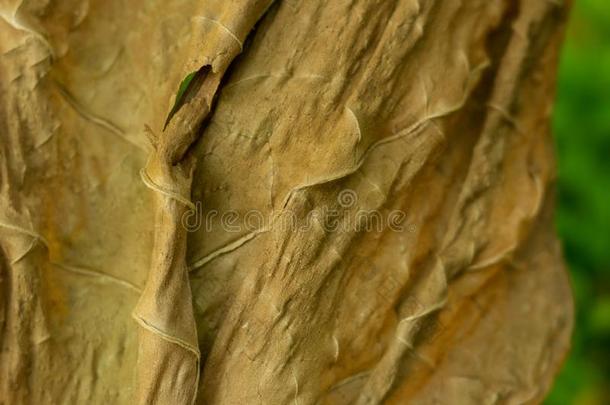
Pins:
x,y
364,214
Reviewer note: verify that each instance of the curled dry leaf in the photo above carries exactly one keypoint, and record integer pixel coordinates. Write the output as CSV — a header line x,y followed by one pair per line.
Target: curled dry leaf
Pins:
x,y
350,202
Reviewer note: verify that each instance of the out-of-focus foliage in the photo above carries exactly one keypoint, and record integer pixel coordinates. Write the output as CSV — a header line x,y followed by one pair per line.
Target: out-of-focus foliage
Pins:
x,y
582,130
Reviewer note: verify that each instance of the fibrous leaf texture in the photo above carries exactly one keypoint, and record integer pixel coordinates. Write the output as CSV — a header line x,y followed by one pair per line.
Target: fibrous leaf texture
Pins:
x,y
221,257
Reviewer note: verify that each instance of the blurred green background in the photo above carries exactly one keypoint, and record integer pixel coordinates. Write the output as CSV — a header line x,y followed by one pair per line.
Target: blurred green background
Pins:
x,y
581,124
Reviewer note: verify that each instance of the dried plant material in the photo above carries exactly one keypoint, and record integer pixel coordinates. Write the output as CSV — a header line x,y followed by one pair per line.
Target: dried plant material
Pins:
x,y
241,201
